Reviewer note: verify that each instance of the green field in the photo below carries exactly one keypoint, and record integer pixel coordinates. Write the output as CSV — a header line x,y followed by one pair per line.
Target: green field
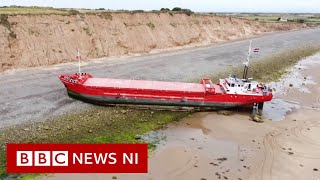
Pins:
x,y
35,10
308,19
32,10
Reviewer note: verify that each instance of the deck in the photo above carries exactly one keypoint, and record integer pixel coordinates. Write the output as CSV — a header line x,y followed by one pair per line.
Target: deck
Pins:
x,y
145,85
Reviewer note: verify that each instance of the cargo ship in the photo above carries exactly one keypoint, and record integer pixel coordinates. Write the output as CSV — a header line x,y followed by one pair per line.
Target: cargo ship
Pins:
x,y
227,93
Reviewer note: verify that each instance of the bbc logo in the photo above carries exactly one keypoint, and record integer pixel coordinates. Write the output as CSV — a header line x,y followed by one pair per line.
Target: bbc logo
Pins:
x,y
42,158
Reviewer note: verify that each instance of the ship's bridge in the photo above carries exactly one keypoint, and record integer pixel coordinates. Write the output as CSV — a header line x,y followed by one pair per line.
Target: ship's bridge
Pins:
x,y
239,86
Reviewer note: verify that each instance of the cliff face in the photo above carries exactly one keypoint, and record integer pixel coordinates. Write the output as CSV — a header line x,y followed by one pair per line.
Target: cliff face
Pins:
x,y
35,40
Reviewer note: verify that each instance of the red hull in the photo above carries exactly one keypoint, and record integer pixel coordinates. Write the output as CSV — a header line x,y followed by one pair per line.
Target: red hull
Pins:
x,y
111,91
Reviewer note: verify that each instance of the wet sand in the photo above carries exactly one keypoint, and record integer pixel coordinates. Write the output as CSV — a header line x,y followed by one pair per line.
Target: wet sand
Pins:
x,y
211,145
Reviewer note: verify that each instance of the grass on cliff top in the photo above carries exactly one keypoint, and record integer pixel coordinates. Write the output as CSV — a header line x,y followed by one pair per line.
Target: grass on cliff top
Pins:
x,y
122,125
31,10
36,10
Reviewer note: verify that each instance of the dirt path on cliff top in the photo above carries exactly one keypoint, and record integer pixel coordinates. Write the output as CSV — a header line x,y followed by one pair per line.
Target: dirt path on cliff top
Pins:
x,y
36,93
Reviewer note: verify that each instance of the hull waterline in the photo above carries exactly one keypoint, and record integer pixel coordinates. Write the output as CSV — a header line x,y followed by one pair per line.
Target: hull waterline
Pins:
x,y
104,100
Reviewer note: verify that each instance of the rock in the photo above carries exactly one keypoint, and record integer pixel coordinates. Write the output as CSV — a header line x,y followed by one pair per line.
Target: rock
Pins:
x,y
90,131
225,177
290,85
222,159
290,153
108,123
192,139
304,77
315,169
188,124
123,111
46,127
218,175
114,177
203,179
212,163
138,136
69,128
26,129
257,118
152,112
226,113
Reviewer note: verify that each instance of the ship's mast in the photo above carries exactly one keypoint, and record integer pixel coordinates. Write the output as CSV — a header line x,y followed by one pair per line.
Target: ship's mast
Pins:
x,y
79,59
246,64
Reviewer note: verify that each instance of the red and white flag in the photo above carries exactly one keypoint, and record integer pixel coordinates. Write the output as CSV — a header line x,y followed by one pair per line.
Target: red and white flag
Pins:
x,y
256,50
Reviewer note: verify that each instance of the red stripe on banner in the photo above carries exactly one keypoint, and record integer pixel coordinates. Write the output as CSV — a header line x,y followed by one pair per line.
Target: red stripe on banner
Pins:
x,y
77,158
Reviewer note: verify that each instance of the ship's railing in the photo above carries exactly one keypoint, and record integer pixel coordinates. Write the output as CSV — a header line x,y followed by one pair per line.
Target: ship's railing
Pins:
x,y
208,85
75,78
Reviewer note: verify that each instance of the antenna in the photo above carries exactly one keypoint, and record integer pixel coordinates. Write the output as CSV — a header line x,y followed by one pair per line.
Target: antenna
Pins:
x,y
246,64
79,59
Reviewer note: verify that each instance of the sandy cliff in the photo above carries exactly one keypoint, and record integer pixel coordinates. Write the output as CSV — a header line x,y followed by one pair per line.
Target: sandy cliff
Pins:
x,y
35,40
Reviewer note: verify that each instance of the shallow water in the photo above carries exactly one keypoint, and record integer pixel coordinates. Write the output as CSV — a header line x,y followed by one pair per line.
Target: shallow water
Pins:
x,y
295,80
277,109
